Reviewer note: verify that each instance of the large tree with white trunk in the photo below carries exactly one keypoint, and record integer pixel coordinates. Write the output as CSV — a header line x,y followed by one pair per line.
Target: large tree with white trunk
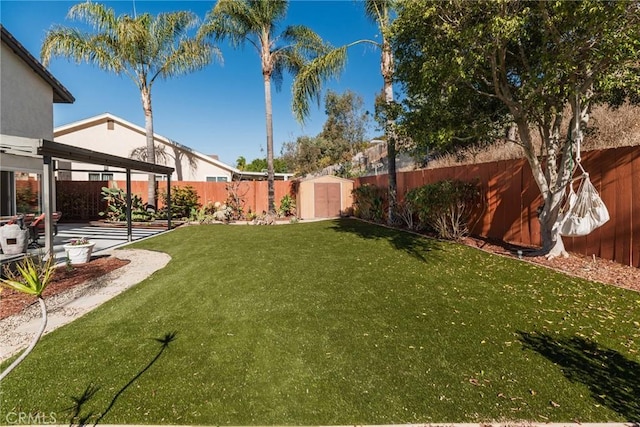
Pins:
x,y
520,63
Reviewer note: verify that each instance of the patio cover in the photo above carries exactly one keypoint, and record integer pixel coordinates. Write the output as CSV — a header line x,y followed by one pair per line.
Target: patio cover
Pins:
x,y
15,149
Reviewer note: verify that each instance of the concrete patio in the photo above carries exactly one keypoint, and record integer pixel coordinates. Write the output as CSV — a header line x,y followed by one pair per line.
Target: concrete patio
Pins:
x,y
104,237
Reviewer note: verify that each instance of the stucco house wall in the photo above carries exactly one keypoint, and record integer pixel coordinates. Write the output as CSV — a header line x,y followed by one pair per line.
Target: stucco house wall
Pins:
x,y
113,135
26,104
27,94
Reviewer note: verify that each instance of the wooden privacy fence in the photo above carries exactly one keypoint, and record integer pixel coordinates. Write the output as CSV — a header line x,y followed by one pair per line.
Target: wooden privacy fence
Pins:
x,y
512,198
82,200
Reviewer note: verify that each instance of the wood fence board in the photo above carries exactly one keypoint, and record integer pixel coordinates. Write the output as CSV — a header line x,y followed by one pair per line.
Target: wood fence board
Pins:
x,y
623,221
512,202
511,208
635,209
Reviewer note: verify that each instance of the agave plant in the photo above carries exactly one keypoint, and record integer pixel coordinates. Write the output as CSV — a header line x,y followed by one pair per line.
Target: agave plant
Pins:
x,y
32,279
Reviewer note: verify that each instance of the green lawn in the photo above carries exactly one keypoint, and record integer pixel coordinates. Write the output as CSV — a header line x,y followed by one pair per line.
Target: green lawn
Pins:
x,y
338,322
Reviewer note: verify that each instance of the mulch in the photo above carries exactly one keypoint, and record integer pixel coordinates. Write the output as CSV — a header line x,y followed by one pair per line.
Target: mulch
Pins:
x,y
589,268
64,277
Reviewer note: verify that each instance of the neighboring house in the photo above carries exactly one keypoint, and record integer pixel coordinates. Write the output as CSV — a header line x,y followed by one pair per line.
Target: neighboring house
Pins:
x,y
114,135
27,94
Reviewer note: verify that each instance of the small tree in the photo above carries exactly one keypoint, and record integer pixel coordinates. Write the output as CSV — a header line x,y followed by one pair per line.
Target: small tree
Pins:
x,y
470,66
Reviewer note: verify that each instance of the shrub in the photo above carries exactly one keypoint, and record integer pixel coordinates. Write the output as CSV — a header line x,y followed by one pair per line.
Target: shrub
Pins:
x,y
117,206
369,202
287,206
445,206
183,201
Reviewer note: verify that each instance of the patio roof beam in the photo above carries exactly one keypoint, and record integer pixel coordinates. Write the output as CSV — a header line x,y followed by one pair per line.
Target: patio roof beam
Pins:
x,y
68,152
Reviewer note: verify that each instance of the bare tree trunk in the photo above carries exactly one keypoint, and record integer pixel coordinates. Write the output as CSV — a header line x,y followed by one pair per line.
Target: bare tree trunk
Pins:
x,y
151,152
550,184
270,171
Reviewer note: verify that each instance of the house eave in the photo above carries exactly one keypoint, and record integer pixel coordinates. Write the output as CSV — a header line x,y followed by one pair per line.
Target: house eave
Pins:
x,y
60,94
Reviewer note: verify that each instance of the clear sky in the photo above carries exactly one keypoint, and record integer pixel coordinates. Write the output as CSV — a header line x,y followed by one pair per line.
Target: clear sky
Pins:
x,y
219,110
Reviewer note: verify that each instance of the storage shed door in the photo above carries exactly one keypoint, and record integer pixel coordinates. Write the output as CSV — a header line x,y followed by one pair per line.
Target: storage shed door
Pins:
x,y
326,199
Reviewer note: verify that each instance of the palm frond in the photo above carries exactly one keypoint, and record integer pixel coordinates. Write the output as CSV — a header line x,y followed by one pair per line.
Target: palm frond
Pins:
x,y
379,11
308,83
97,15
229,19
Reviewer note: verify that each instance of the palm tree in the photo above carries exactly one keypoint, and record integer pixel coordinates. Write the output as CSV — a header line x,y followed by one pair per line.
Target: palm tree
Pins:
x,y
307,84
255,22
142,47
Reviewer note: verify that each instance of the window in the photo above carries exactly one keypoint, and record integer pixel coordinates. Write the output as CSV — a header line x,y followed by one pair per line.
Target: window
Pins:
x,y
100,177
217,179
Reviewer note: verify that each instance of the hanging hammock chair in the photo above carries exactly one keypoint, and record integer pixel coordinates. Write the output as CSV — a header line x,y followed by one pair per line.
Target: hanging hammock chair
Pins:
x,y
584,210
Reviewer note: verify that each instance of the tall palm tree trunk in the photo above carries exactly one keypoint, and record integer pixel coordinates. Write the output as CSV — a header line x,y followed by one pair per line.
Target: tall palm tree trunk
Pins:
x,y
387,73
270,172
151,152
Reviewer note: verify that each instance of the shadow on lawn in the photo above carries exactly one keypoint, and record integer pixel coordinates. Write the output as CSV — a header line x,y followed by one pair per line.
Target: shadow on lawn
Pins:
x,y
412,244
78,419
614,380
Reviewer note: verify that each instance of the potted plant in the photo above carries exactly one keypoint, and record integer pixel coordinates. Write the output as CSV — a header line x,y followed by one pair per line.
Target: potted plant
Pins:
x,y
79,250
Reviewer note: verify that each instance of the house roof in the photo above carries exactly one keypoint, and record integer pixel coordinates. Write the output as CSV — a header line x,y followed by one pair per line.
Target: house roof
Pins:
x,y
60,93
103,118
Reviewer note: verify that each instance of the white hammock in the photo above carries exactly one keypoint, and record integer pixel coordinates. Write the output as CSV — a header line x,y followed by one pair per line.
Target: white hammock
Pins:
x,y
584,210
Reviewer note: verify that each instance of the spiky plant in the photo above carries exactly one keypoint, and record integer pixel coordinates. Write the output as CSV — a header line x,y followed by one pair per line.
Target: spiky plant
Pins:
x,y
32,279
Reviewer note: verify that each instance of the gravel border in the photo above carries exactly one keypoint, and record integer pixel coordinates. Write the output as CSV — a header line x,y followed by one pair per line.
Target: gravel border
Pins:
x,y
16,331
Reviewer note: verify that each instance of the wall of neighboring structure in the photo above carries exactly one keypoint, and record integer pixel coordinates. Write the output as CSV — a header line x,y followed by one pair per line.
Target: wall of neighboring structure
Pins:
x,y
113,137
307,201
26,104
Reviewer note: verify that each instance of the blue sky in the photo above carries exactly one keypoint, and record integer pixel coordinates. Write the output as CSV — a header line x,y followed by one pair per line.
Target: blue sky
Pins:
x,y
219,110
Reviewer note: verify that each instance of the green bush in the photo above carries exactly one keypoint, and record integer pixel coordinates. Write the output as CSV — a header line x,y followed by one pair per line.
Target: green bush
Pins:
x,y
370,202
183,201
117,206
445,206
287,206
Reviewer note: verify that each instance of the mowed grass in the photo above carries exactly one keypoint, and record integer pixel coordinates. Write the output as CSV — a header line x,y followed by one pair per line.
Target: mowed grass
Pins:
x,y
338,322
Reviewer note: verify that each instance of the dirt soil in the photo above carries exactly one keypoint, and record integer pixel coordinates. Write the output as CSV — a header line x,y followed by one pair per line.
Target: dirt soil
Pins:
x,y
590,268
12,302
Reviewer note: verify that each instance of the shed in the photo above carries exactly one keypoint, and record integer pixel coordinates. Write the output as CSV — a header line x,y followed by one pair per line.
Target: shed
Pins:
x,y
324,197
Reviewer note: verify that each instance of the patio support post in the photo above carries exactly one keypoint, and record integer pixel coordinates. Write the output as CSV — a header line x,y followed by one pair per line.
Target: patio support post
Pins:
x,y
47,201
168,202
129,230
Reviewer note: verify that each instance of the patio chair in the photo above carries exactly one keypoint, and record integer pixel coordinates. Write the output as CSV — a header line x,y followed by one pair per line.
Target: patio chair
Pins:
x,y
36,228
